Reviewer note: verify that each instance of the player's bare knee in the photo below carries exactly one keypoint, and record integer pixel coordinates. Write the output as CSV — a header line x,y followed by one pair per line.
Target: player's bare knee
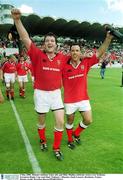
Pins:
x,y
8,85
87,121
60,123
70,119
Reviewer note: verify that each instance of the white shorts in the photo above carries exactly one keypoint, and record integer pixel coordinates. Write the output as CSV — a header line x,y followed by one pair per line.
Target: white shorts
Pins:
x,y
22,78
9,77
80,106
46,100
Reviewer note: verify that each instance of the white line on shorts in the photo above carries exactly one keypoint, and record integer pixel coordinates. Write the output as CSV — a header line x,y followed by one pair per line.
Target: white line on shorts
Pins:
x,y
32,158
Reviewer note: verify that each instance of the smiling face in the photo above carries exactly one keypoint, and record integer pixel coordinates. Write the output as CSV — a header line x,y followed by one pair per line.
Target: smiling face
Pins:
x,y
11,59
50,44
21,59
75,53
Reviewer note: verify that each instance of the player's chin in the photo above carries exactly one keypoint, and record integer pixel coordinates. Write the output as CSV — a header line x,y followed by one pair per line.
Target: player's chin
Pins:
x,y
50,50
75,59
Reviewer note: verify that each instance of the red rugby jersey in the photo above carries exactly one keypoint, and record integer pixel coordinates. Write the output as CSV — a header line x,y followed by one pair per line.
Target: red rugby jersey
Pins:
x,y
22,68
75,80
9,67
47,73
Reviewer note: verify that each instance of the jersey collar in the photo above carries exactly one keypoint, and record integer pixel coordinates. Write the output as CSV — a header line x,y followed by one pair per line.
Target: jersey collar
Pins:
x,y
75,67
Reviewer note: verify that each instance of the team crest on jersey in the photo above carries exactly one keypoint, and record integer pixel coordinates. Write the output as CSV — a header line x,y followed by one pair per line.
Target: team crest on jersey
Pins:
x,y
82,67
58,62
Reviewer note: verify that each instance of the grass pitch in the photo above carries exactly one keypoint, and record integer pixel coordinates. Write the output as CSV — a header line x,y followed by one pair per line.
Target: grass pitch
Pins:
x,y
101,150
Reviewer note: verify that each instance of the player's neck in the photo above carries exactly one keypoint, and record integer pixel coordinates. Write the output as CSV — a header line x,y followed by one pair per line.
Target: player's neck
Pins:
x,y
51,55
75,63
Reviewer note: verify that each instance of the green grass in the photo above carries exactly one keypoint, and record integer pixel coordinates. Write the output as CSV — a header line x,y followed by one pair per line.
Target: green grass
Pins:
x,y
102,144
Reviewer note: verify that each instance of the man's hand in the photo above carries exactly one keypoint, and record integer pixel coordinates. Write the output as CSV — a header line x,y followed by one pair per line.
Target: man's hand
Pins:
x,y
16,14
104,46
109,36
88,54
24,36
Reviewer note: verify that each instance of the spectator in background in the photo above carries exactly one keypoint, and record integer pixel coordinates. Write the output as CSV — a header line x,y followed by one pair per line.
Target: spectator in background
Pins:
x,y
103,68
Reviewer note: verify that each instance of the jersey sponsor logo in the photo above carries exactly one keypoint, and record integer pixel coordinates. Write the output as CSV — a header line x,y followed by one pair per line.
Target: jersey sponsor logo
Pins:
x,y
76,76
50,69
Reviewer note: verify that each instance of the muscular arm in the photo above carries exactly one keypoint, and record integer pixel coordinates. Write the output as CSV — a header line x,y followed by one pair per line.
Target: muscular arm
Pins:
x,y
16,14
104,46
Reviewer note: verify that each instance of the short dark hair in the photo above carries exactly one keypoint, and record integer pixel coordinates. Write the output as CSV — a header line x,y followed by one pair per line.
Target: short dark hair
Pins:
x,y
50,34
75,44
11,56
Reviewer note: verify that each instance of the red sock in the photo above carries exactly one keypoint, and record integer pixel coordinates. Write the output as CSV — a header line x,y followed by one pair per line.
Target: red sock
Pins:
x,y
23,92
20,92
57,139
78,130
69,134
12,93
41,133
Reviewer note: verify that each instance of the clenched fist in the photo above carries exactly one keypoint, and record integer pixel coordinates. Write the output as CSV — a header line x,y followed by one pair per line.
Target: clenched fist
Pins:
x,y
16,14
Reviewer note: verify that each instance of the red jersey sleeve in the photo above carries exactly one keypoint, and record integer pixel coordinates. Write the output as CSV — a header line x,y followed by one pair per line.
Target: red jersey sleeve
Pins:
x,y
34,52
91,61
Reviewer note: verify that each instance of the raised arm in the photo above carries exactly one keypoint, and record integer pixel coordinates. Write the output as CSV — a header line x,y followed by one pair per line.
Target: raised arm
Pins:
x,y
104,46
16,14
